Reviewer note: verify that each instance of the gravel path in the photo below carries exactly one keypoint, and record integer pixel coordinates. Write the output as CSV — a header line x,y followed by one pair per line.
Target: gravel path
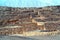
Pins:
x,y
54,37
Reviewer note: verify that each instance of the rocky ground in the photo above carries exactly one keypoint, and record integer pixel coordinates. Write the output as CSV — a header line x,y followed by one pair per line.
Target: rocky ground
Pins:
x,y
23,17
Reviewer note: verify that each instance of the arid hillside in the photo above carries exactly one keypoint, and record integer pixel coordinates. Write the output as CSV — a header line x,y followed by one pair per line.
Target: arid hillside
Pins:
x,y
19,20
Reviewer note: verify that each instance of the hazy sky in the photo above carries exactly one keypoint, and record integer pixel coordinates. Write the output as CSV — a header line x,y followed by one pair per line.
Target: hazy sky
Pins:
x,y
28,3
